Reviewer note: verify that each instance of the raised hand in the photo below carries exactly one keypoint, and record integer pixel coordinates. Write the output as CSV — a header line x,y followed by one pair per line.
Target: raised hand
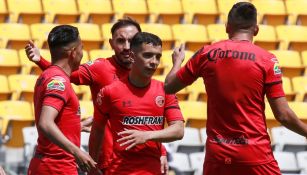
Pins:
x,y
32,52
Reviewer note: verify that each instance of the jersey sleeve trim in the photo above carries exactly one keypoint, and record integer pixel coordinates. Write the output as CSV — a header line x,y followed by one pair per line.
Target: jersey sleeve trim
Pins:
x,y
273,83
56,96
89,72
171,107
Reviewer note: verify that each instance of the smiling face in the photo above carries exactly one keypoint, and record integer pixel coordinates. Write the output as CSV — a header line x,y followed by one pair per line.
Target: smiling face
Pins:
x,y
146,60
120,43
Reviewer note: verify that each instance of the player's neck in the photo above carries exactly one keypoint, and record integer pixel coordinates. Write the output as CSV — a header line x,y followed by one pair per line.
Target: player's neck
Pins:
x,y
138,81
64,66
241,37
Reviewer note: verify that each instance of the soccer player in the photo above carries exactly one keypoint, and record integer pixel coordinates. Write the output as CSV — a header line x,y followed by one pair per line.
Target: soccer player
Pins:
x,y
237,75
57,110
103,72
136,108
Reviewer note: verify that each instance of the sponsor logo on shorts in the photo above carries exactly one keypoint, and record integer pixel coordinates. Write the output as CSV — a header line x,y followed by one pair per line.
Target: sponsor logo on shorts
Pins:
x,y
160,100
143,120
56,85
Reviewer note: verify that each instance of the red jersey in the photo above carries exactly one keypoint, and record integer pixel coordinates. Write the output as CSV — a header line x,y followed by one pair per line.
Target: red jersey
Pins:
x,y
130,107
53,89
97,74
237,75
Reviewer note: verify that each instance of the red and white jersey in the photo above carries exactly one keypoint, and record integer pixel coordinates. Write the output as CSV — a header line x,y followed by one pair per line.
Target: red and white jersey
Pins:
x,y
237,75
53,89
130,107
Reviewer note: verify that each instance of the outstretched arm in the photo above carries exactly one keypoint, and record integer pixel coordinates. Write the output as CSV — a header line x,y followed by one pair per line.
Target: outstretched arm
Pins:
x,y
284,114
33,55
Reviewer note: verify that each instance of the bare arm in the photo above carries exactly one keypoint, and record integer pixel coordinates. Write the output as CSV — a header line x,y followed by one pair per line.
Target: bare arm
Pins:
x,y
284,114
174,131
47,125
97,134
172,83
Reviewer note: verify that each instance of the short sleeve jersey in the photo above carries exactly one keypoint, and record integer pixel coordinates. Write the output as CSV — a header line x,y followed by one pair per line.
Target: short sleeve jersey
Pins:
x,y
53,89
237,75
130,107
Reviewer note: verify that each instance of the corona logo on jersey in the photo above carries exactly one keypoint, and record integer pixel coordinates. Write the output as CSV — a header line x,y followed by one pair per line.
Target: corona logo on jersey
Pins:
x,y
216,53
143,120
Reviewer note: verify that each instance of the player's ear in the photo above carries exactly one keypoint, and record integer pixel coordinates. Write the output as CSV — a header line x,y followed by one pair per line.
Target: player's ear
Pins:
x,y
256,30
132,56
111,43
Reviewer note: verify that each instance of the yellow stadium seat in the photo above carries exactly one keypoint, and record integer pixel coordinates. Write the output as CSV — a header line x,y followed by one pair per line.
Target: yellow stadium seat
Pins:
x,y
28,67
166,60
290,94
94,54
106,34
25,11
40,33
60,11
198,91
22,86
266,38
87,109
304,60
165,11
300,109
224,7
290,62
136,9
217,32
90,35
200,11
9,62
271,12
182,35
15,36
297,10
77,90
300,86
3,11
194,113
14,120
95,11
164,31
5,92
86,92
292,37
270,118
85,57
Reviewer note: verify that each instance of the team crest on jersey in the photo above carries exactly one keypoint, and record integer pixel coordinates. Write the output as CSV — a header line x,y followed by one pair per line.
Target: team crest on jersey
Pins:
x,y
160,100
56,84
277,69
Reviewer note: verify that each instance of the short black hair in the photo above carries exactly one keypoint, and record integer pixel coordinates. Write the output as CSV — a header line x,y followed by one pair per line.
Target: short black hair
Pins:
x,y
125,22
144,37
62,35
242,15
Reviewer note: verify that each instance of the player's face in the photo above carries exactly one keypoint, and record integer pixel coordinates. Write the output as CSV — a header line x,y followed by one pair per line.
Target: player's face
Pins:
x,y
147,60
77,54
120,43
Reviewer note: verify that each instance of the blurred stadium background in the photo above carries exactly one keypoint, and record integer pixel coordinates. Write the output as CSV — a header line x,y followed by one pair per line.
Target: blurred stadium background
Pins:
x,y
283,31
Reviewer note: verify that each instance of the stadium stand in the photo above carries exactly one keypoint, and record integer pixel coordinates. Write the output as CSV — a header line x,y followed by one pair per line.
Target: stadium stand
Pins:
x,y
266,38
292,37
30,136
106,35
87,109
39,33
22,86
216,32
194,113
197,161
297,12
96,11
9,62
302,161
200,14
98,53
290,94
198,91
5,92
3,11
14,36
136,9
25,11
180,163
300,86
286,162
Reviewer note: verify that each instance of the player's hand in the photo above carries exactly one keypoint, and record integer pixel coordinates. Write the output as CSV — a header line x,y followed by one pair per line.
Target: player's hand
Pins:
x,y
86,124
2,172
32,52
178,54
84,161
131,138
164,165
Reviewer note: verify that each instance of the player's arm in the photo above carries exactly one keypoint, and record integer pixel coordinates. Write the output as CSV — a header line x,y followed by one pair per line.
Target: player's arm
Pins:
x,y
172,83
284,114
80,76
86,124
131,138
47,125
